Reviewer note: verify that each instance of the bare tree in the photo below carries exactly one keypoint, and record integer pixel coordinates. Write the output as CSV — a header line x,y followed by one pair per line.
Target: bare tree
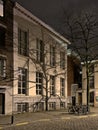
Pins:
x,y
82,30
49,59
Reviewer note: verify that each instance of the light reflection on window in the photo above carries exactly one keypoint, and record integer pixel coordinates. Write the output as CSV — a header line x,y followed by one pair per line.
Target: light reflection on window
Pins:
x,y
1,8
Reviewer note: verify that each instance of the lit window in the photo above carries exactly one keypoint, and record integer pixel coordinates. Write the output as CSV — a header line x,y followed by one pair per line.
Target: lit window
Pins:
x,y
1,8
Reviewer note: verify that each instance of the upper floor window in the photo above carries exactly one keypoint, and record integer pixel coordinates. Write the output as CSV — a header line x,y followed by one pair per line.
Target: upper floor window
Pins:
x,y
1,8
52,85
91,70
2,67
91,81
22,42
62,85
62,60
40,50
39,81
52,56
2,37
22,81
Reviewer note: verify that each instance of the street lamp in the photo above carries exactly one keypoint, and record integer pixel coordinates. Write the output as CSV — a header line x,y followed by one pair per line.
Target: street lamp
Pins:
x,y
12,116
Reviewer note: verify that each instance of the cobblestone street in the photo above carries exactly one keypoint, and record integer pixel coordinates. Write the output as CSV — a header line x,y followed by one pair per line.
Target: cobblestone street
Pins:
x,y
62,123
51,120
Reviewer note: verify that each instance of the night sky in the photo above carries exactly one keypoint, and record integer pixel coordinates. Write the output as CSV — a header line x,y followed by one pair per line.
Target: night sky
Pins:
x,y
51,11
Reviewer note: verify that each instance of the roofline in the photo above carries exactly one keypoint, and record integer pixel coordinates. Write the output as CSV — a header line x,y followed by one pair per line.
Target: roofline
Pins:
x,y
41,23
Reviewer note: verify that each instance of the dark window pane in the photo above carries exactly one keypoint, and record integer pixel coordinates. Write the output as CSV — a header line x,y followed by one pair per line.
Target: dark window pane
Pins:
x,y
22,42
2,37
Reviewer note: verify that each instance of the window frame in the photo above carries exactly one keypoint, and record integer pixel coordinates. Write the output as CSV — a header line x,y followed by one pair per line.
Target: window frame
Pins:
x,y
22,85
62,60
2,37
52,85
62,87
39,83
23,42
52,56
62,104
52,105
23,107
3,70
39,50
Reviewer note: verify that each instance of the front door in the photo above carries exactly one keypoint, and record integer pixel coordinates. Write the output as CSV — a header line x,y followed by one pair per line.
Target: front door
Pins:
x,y
2,103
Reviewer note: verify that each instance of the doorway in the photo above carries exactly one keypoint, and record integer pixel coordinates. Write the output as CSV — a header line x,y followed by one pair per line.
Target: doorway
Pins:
x,y
80,98
2,103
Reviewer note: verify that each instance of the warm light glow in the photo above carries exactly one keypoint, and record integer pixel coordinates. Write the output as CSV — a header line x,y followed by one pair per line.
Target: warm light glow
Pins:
x,y
1,8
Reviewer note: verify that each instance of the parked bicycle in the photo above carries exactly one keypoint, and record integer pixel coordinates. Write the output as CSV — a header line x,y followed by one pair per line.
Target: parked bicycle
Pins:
x,y
78,109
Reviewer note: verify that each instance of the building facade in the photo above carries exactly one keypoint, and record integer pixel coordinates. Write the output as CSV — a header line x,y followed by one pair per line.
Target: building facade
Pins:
x,y
39,64
93,88
74,79
6,55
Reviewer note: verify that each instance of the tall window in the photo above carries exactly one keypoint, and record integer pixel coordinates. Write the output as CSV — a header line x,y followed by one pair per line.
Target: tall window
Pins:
x,y
40,50
22,42
52,85
2,37
22,81
91,78
92,97
91,81
1,8
52,56
62,60
39,81
62,85
2,67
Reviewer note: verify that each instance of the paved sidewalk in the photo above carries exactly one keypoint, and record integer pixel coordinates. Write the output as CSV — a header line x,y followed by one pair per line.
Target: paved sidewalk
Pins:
x,y
24,118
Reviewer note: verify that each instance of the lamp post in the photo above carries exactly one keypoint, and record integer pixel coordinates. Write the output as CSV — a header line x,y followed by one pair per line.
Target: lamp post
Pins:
x,y
12,116
11,73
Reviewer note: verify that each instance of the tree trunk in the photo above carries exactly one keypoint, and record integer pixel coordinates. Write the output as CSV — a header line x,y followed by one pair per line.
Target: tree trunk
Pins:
x,y
46,100
88,97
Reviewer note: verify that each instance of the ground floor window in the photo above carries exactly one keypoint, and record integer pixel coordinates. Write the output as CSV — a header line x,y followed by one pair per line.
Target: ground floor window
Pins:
x,y
22,107
52,105
62,105
91,97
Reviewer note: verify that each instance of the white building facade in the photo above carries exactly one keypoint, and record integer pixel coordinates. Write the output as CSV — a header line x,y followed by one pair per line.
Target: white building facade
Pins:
x,y
40,64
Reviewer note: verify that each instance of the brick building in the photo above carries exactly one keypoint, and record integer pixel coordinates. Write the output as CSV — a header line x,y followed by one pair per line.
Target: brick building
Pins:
x,y
6,55
74,78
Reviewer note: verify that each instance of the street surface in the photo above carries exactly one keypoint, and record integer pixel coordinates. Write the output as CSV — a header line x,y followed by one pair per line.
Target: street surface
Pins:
x,y
62,122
